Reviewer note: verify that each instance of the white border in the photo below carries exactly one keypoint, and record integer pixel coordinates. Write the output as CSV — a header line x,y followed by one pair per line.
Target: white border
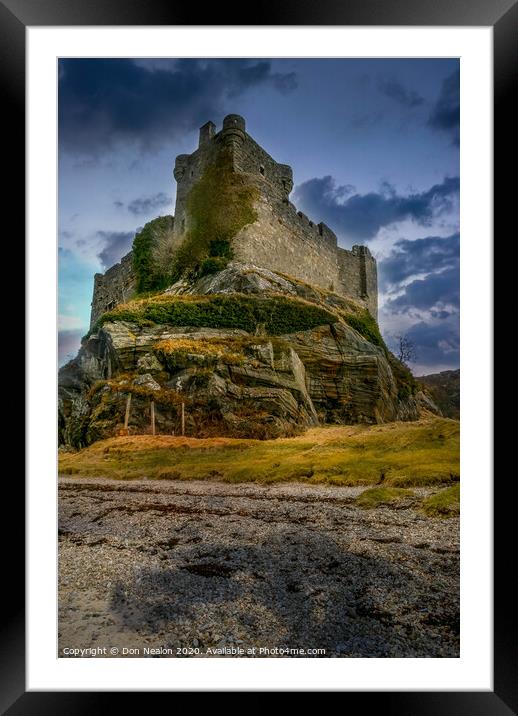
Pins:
x,y
473,670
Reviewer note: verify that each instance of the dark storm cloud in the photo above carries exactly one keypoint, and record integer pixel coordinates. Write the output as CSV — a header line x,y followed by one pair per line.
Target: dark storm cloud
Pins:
x,y
146,204
116,245
105,101
361,216
432,300
433,293
436,344
445,114
68,345
401,94
426,255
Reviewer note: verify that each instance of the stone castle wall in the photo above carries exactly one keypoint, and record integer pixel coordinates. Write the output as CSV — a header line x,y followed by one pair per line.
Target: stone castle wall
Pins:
x,y
115,286
282,239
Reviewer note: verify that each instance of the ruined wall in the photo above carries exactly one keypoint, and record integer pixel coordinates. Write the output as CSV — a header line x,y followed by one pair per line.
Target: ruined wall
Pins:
x,y
115,286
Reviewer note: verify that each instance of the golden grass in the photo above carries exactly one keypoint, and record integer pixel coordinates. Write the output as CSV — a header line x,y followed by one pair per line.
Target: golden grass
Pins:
x,y
228,349
425,452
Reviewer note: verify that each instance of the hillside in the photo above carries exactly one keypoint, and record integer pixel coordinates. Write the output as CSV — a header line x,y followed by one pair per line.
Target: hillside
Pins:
x,y
444,389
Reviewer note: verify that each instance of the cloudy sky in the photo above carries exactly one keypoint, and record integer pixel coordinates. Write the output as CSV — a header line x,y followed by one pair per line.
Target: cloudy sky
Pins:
x,y
374,146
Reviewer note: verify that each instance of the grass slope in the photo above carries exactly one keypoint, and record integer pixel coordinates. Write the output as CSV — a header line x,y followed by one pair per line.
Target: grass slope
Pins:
x,y
425,452
444,503
377,496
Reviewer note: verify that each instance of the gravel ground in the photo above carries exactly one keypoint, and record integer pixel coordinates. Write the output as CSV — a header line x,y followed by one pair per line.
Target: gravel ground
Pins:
x,y
208,569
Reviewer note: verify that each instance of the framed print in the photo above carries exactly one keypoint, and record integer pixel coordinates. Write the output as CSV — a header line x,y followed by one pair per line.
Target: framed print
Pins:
x,y
258,259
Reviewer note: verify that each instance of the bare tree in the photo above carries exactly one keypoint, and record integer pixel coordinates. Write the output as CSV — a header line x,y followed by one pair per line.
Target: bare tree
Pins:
x,y
407,352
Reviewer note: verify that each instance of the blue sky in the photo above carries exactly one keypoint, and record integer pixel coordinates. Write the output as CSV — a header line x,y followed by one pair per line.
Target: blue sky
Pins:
x,y
374,146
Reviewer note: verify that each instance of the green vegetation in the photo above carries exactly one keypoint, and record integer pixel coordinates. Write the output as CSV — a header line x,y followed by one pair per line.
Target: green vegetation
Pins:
x,y
212,264
378,496
444,503
152,254
278,314
425,452
219,205
407,384
366,326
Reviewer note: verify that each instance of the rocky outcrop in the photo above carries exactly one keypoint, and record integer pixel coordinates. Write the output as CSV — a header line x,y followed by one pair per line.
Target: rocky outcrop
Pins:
x,y
231,382
426,404
443,389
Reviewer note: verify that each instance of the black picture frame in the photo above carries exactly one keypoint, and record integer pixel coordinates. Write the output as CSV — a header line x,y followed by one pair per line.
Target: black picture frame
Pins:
x,y
15,16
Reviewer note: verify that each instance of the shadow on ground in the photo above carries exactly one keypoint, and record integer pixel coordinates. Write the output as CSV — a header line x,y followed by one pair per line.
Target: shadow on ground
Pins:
x,y
295,593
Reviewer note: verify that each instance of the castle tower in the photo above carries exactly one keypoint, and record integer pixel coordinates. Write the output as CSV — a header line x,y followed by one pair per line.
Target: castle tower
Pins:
x,y
281,239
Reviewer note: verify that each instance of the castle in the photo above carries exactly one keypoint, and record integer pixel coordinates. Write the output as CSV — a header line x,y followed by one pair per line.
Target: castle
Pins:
x,y
281,239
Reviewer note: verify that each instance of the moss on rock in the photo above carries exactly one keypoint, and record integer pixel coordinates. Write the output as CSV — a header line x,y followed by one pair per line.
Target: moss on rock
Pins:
x,y
277,315
217,207
152,254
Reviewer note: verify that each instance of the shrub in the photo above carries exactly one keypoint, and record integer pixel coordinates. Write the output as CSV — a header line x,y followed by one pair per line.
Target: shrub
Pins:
x,y
221,248
212,264
278,315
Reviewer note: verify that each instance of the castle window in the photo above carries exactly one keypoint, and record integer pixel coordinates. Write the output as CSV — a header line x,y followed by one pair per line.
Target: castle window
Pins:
x,y
261,169
183,224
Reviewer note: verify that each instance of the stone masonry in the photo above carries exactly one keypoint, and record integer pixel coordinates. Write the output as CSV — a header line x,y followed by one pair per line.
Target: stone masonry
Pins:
x,y
115,286
282,239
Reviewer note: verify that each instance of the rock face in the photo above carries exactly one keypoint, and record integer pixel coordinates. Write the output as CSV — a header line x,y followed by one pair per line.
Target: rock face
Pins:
x,y
444,390
231,382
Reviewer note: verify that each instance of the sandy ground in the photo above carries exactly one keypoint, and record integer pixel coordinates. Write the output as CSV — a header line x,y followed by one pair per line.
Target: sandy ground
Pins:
x,y
210,569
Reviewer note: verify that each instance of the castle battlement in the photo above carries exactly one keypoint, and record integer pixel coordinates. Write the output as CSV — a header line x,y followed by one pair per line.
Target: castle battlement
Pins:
x,y
281,239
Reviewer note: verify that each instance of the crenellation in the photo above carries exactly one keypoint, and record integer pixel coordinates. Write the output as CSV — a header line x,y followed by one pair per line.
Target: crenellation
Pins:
x,y
282,238
327,235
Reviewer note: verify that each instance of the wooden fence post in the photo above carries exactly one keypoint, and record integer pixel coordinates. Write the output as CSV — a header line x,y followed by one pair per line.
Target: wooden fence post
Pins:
x,y
183,418
153,417
126,417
